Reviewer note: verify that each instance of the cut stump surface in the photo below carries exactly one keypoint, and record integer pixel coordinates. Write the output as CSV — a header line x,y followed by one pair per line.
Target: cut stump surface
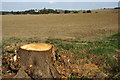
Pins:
x,y
37,47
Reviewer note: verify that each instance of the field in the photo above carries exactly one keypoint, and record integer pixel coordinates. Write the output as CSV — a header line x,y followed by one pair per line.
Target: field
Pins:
x,y
89,41
64,26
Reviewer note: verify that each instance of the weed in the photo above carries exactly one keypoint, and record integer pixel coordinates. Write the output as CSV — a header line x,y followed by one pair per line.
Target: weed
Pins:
x,y
32,41
47,41
73,76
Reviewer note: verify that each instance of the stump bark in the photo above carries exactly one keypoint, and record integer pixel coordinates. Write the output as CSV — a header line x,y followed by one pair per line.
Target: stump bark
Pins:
x,y
35,60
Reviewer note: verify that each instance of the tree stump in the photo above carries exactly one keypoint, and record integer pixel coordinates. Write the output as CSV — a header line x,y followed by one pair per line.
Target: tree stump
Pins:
x,y
35,58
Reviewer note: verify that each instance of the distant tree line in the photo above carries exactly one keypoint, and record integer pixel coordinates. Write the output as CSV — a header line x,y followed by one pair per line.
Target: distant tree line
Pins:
x,y
47,11
117,8
43,11
87,11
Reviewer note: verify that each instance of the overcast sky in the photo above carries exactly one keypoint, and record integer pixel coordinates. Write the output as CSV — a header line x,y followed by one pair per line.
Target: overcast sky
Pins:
x,y
60,0
17,6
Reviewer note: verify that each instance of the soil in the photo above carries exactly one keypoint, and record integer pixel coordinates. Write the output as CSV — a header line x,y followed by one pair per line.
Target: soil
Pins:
x,y
83,26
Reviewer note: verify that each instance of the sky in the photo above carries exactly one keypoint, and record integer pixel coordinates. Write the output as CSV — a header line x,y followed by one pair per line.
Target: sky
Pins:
x,y
60,0
18,6
21,6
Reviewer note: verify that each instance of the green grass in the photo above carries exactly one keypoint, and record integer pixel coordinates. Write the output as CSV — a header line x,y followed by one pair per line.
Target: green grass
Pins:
x,y
32,41
104,49
11,40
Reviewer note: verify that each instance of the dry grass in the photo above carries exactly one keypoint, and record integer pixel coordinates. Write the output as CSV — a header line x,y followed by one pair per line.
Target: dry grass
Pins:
x,y
65,26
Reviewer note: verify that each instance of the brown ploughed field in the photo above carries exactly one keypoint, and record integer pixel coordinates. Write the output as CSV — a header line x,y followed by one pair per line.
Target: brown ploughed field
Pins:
x,y
83,26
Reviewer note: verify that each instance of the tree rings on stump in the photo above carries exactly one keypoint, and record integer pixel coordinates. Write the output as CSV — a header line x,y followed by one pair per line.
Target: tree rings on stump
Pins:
x,y
37,47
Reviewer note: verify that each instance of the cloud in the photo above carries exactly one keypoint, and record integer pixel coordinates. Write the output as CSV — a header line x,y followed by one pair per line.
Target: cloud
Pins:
x,y
52,2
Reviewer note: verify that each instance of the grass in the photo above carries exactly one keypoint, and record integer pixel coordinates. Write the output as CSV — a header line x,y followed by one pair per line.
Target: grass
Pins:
x,y
85,49
102,50
11,40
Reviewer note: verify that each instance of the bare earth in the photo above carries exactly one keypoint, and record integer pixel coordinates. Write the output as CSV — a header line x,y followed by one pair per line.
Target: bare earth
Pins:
x,y
87,26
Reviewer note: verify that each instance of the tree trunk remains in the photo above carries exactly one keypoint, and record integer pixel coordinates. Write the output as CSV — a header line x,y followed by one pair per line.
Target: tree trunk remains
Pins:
x,y
35,60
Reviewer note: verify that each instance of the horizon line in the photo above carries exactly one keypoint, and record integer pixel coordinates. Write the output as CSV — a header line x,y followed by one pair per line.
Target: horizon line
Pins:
x,y
57,9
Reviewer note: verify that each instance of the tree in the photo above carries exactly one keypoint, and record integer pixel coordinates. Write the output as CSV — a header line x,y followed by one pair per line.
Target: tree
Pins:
x,y
88,11
117,8
75,12
84,11
66,11
12,12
